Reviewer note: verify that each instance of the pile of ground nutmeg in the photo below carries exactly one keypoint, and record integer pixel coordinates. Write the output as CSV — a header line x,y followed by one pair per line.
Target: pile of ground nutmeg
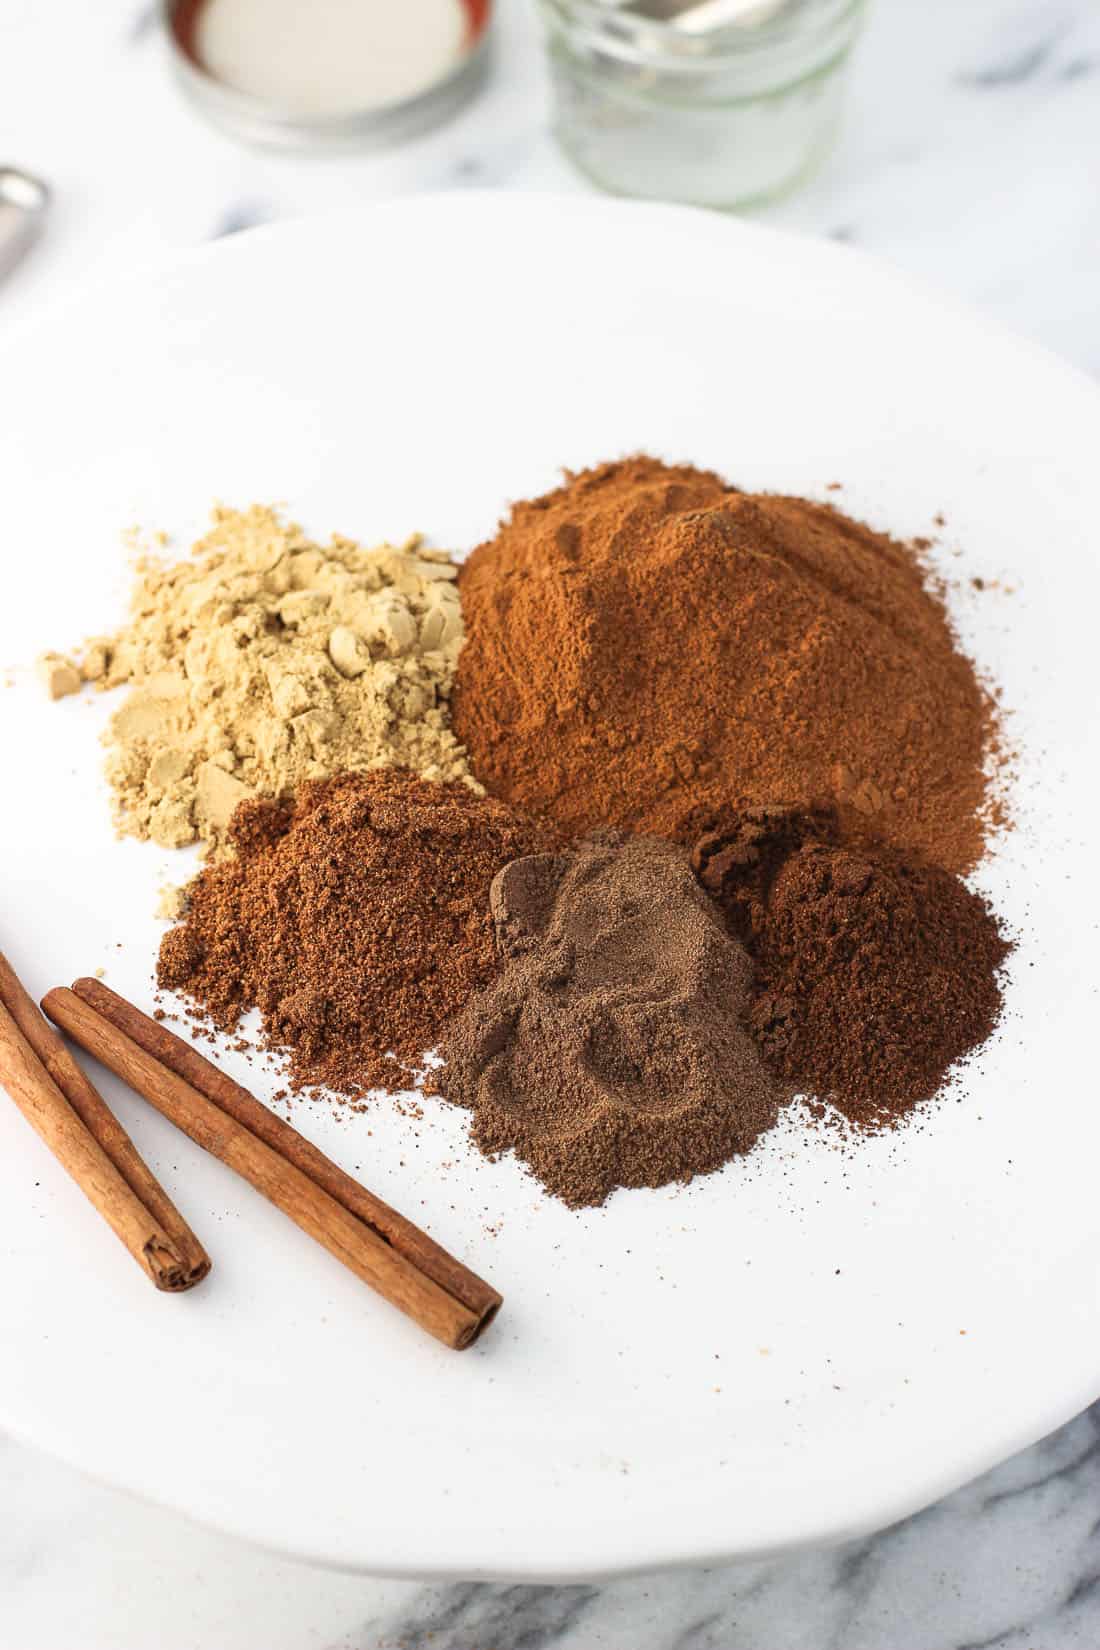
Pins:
x,y
875,973
648,646
355,917
611,1050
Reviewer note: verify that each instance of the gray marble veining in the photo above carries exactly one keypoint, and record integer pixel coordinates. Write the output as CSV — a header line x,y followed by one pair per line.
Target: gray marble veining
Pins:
x,y
969,160
1013,1561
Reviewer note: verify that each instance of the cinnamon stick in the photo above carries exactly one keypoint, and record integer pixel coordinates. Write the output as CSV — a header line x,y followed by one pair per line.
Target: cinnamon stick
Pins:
x,y
358,1245
101,1123
49,1113
218,1086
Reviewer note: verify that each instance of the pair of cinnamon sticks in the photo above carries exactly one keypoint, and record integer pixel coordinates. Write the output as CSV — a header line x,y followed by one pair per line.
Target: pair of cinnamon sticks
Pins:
x,y
59,1100
55,1095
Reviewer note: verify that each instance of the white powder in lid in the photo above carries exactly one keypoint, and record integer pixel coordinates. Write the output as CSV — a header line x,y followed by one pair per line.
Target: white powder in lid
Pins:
x,y
331,57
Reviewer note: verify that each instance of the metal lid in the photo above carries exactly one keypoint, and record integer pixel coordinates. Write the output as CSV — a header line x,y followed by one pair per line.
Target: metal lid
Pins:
x,y
255,120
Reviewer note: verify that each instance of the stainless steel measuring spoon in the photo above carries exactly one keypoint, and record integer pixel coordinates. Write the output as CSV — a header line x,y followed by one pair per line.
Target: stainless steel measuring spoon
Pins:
x,y
23,204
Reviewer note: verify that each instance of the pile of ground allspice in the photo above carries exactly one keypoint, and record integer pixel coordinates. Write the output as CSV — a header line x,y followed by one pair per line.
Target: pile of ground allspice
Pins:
x,y
736,766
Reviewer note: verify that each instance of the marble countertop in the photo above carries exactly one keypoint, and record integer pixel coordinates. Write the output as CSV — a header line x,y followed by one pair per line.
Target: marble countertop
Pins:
x,y
970,158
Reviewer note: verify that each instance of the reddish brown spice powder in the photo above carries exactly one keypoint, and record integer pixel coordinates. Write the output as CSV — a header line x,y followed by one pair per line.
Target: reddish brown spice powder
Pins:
x,y
648,646
355,917
875,972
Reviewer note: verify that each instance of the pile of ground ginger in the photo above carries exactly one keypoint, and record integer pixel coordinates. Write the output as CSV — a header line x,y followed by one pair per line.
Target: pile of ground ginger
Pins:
x,y
263,660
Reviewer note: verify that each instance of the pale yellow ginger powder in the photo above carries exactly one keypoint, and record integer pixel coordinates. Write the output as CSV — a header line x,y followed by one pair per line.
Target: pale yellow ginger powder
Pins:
x,y
57,674
264,660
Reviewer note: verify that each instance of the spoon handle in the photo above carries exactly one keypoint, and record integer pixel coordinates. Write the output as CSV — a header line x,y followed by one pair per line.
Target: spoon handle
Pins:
x,y
23,204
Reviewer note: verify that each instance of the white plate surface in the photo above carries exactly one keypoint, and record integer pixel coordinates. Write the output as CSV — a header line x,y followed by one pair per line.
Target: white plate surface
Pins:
x,y
804,1346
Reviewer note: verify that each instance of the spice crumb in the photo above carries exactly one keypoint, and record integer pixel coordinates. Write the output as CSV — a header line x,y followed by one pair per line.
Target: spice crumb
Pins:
x,y
57,674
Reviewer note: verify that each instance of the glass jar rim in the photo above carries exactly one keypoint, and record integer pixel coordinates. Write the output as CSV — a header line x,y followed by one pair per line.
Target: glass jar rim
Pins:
x,y
649,41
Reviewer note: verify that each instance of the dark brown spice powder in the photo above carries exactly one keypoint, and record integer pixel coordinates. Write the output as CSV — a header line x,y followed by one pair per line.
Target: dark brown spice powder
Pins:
x,y
875,972
355,917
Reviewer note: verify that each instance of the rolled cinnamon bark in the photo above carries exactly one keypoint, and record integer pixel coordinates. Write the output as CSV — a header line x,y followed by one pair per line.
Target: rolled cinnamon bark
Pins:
x,y
48,1112
101,1122
392,1228
360,1246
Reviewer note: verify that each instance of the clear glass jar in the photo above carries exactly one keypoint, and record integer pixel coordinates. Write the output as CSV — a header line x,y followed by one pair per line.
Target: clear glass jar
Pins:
x,y
727,118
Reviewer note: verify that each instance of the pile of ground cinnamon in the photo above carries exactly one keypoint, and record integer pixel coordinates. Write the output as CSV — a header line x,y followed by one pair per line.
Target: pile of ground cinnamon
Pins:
x,y
611,1051
355,917
647,647
875,973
